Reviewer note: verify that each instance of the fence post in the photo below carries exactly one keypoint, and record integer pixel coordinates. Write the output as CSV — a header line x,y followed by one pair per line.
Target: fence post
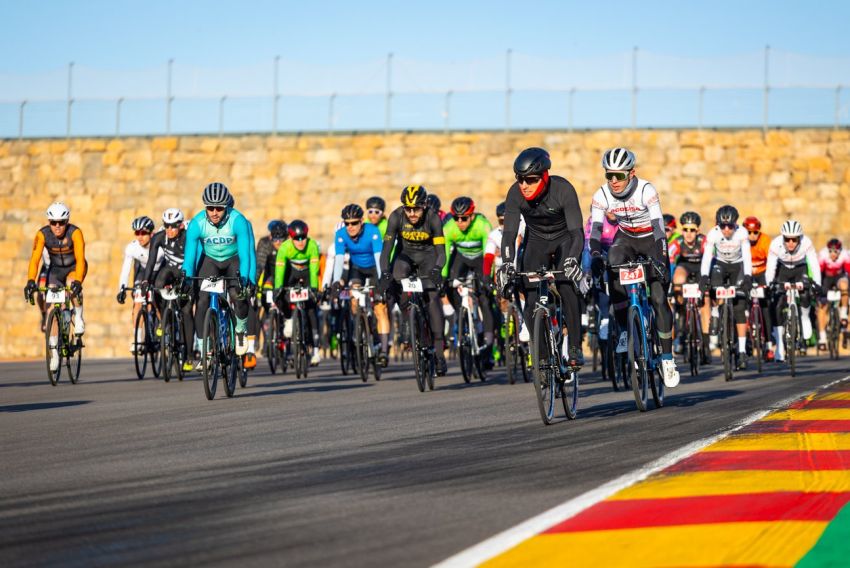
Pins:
x,y
634,87
118,116
766,87
331,101
701,102
387,110
447,112
70,99
221,116
276,97
570,109
21,120
508,90
837,107
168,99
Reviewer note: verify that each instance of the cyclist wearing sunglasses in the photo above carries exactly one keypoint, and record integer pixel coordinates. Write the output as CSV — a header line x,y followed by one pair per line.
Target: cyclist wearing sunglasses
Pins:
x,y
834,266
169,244
136,258
297,262
375,207
267,250
635,203
220,242
686,253
759,247
727,262
554,239
466,238
792,258
59,246
416,232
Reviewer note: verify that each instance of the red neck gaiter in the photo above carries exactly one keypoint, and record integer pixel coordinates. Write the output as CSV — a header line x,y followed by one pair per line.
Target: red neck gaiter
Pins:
x,y
544,181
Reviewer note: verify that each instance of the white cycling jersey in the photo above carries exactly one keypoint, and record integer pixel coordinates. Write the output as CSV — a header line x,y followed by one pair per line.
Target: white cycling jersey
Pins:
x,y
805,253
494,242
136,252
635,209
330,258
731,251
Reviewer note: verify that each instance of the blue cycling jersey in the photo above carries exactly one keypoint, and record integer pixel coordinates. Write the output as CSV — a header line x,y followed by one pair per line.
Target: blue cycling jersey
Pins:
x,y
233,236
363,250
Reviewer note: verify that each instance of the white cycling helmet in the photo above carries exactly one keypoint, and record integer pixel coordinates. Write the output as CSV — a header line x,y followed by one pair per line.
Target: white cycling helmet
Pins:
x,y
58,211
791,228
171,216
618,160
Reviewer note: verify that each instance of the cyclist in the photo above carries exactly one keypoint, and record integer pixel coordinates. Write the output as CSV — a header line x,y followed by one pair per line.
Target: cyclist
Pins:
x,y
554,239
792,258
727,261
433,203
136,257
220,242
493,257
686,252
169,244
610,226
670,228
416,233
835,267
466,237
635,203
66,250
375,207
298,261
266,250
759,247
362,242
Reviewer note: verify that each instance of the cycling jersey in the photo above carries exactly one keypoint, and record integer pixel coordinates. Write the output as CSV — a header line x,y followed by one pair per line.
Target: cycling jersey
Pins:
x,y
469,244
67,252
637,208
684,253
803,255
167,251
232,237
136,256
833,268
730,251
414,241
554,215
265,259
300,260
382,226
758,253
364,250
493,248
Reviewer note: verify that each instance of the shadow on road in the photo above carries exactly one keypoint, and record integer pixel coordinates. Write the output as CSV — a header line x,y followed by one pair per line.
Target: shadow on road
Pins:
x,y
41,405
327,388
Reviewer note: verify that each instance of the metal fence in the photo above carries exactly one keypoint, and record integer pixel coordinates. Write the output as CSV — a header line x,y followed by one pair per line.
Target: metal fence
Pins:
x,y
636,89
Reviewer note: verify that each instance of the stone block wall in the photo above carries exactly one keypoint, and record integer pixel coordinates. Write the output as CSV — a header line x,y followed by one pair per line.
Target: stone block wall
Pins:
x,y
803,174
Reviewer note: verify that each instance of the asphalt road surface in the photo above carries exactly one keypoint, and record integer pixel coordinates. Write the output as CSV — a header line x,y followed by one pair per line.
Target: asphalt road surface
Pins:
x,y
322,471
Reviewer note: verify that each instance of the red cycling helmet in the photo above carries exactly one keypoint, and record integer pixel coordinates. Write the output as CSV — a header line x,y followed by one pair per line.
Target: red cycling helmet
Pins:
x,y
752,224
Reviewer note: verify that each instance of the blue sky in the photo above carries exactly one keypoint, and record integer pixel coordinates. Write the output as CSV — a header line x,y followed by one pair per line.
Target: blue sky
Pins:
x,y
349,41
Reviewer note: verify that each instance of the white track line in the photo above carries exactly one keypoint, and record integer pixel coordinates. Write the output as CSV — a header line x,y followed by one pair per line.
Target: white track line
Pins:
x,y
506,540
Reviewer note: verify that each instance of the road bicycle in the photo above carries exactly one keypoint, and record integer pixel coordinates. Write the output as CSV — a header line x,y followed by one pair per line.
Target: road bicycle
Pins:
x,y
472,351
174,348
421,340
345,334
644,345
553,377
218,344
833,325
147,347
692,329
365,347
756,330
792,335
276,348
59,334
516,351
728,336
298,297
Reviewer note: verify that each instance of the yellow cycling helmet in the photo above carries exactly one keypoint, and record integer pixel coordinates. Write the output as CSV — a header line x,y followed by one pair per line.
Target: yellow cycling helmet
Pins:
x,y
414,196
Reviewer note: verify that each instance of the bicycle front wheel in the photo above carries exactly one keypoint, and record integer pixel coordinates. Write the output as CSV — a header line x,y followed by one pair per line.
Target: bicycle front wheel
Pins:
x,y
420,363
727,341
569,394
170,363
361,346
791,331
211,354
542,362
757,332
154,344
73,352
464,345
638,364
140,344
53,348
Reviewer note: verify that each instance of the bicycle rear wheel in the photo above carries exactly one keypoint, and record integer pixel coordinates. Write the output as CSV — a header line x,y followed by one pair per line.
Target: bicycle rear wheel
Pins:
x,y
361,346
419,361
140,344
169,355
542,362
464,345
211,354
154,344
52,328
757,332
693,344
73,352
727,339
299,345
833,331
569,393
270,345
656,379
638,360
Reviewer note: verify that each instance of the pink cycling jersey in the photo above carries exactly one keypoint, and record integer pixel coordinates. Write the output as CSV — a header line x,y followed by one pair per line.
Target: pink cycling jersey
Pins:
x,y
609,231
833,268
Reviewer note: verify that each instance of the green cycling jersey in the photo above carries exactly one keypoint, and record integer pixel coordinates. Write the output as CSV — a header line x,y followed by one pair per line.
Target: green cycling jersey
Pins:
x,y
469,243
288,255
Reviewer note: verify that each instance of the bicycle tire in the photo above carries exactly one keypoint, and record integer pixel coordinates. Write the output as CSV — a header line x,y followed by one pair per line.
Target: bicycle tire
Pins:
x,y
210,355
569,394
465,356
726,339
791,343
511,353
344,345
361,346
140,352
183,351
168,354
542,363
53,318
299,345
833,332
270,343
416,347
757,332
637,359
154,344
656,379
243,373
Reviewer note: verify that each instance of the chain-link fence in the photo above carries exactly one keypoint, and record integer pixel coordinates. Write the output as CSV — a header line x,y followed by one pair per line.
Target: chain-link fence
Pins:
x,y
636,89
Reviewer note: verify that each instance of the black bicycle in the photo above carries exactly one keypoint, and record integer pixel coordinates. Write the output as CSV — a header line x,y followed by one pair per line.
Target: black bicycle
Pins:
x,y
421,340
59,335
471,347
365,347
693,337
174,348
147,347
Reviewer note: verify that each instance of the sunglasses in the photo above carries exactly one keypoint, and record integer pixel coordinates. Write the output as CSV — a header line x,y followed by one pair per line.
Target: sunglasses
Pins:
x,y
754,232
689,230
464,218
836,251
413,209
374,211
172,225
300,238
619,176
352,223
215,208
277,240
58,223
140,233
790,239
726,225
668,229
501,220
528,180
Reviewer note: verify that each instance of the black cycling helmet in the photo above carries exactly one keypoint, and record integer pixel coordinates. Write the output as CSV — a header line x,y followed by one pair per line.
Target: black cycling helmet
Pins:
x,y
217,193
376,202
143,223
690,218
280,231
298,228
414,196
463,206
433,203
532,162
834,244
726,215
276,224
352,211
500,209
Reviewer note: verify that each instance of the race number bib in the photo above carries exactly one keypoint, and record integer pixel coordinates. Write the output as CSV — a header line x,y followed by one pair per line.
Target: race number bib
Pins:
x,y
411,284
213,286
691,291
55,296
138,296
299,295
270,296
633,276
757,293
833,295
